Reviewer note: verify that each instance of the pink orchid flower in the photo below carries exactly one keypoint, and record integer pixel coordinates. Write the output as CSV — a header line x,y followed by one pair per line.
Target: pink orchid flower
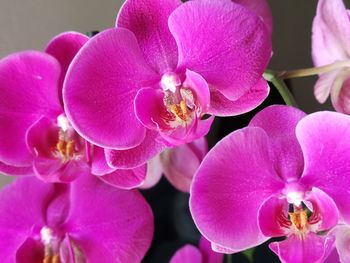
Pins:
x,y
341,252
37,137
202,254
85,221
286,174
331,44
147,84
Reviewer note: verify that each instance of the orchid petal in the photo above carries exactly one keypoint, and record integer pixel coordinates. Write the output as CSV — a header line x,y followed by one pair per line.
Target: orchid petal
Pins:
x,y
148,20
9,170
99,164
330,33
324,85
213,43
107,223
105,75
64,47
209,256
261,8
30,251
126,179
342,242
323,137
125,159
312,248
285,149
243,183
222,106
340,92
187,254
154,173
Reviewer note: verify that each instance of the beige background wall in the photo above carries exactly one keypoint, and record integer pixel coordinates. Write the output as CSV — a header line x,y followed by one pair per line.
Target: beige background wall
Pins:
x,y
29,24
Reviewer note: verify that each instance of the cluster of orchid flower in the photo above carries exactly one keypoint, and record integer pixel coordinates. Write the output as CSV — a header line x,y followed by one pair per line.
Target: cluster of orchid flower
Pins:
x,y
89,121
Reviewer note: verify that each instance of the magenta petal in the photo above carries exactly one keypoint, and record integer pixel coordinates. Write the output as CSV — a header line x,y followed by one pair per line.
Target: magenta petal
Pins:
x,y
261,8
333,257
28,85
154,173
330,33
148,20
64,47
213,43
126,179
99,164
239,168
326,207
105,75
313,248
269,214
14,170
124,159
323,137
150,109
201,89
20,214
187,254
180,164
209,256
221,106
31,251
109,224
279,123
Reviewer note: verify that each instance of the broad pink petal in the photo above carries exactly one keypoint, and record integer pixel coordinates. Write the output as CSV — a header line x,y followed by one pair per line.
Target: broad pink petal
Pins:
x,y
187,254
213,43
312,248
179,165
105,75
154,173
333,257
279,123
221,249
126,178
342,242
21,213
28,85
117,224
125,159
209,256
261,8
330,33
269,214
222,106
15,170
148,20
236,175
64,47
323,137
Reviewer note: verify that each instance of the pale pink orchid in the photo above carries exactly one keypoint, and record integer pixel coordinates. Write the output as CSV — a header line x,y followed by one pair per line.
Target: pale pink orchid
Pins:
x,y
84,221
202,254
331,45
286,174
148,83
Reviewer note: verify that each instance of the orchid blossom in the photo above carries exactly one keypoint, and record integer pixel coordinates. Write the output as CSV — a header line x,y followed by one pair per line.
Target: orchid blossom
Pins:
x,y
286,174
37,137
84,221
148,83
192,254
331,44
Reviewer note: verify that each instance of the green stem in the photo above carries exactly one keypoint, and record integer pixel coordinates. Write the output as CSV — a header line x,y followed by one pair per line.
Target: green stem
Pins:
x,y
282,88
228,258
